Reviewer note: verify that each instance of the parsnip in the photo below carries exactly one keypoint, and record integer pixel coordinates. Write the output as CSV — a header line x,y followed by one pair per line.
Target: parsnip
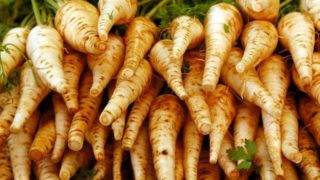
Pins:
x,y
248,85
139,112
106,65
310,164
192,142
86,114
19,145
196,103
140,35
223,25
222,106
289,130
167,67
77,21
126,92
166,116
297,33
261,9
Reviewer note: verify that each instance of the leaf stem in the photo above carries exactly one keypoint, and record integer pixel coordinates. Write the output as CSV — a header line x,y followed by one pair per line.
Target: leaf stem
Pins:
x,y
156,8
140,3
30,23
43,12
26,19
53,5
61,2
50,18
285,3
17,48
36,12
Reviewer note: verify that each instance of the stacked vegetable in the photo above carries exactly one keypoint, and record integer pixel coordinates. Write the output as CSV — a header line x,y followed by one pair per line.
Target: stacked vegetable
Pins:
x,y
81,99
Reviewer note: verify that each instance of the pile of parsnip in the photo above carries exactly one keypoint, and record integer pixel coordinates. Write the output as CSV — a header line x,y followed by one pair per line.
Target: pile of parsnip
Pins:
x,y
233,96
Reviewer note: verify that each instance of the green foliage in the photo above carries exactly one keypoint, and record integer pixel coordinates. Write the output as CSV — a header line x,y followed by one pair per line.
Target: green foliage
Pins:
x,y
196,9
193,8
110,15
12,12
12,81
226,28
4,28
245,154
287,6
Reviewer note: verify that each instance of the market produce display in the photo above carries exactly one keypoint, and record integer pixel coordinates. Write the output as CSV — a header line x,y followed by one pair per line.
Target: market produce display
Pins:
x,y
149,89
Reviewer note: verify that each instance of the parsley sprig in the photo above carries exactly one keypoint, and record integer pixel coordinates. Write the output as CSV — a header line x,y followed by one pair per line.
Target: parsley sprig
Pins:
x,y
244,154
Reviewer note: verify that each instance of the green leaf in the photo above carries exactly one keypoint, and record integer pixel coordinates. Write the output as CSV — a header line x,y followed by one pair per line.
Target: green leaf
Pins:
x,y
245,154
11,82
251,148
196,9
244,165
4,81
226,28
238,153
5,49
3,30
110,15
286,7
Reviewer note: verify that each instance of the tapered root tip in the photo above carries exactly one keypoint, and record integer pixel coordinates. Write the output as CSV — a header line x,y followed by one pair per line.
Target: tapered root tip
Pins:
x,y
62,89
183,96
19,121
75,143
126,146
278,169
100,156
94,92
205,129
72,109
55,159
64,175
126,73
105,119
103,36
213,158
306,79
36,154
15,129
179,90
71,102
117,136
234,174
72,106
102,46
240,68
297,158
208,87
